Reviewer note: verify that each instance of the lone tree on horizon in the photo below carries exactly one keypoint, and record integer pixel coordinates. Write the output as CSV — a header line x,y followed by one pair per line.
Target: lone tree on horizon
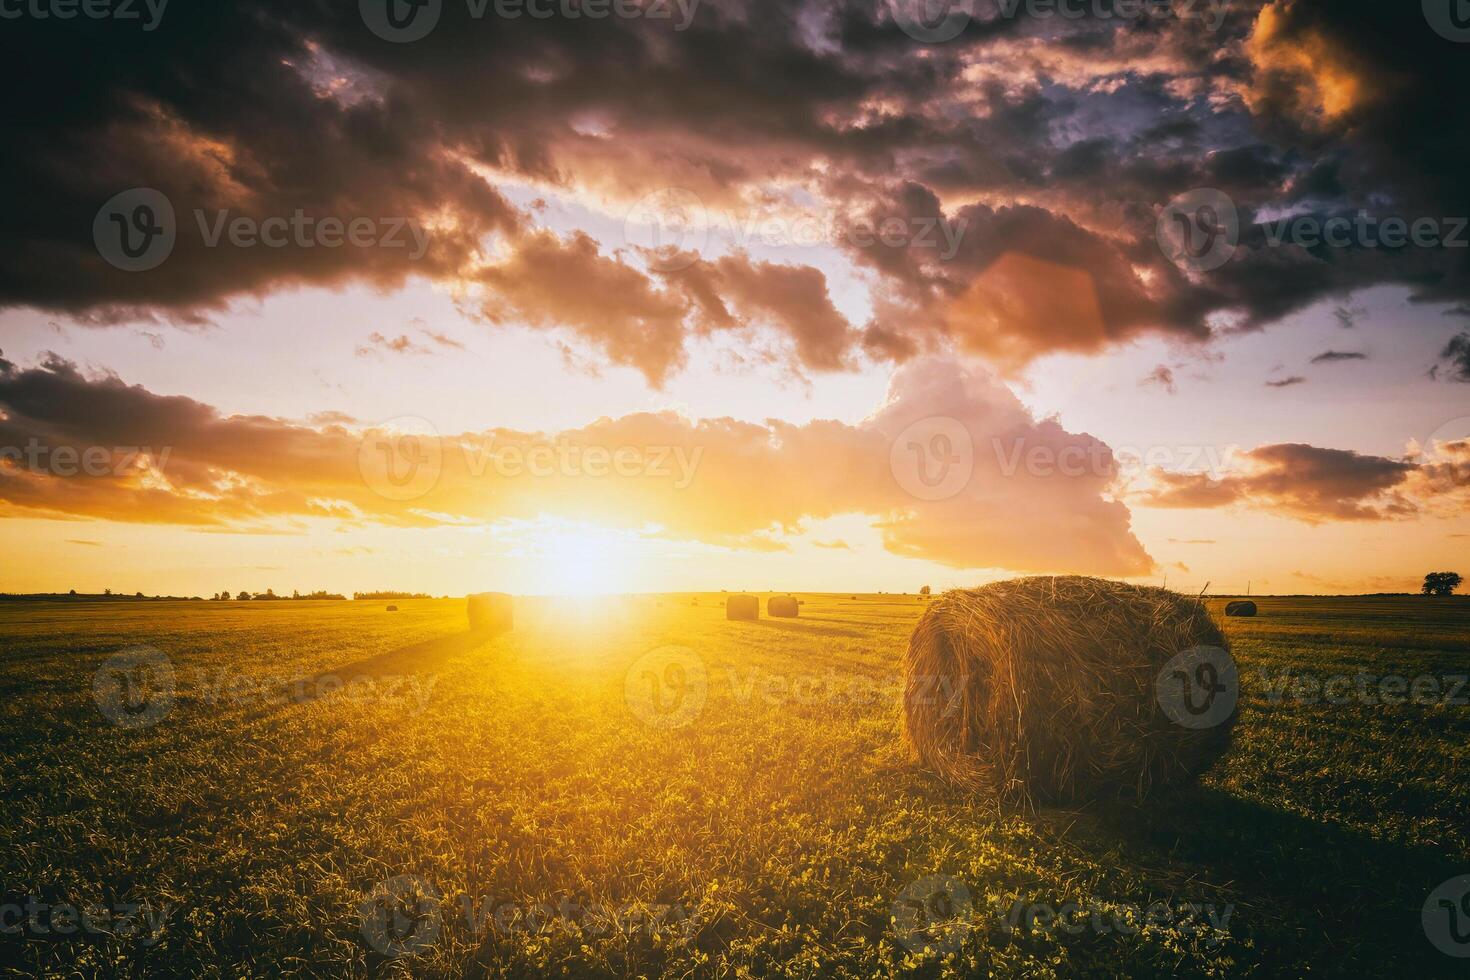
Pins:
x,y
1442,583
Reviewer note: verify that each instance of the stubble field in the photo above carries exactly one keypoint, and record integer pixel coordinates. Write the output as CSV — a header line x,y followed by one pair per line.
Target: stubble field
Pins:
x,y
639,787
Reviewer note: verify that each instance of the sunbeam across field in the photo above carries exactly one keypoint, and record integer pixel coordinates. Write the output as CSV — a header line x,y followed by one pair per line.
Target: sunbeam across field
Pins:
x,y
637,785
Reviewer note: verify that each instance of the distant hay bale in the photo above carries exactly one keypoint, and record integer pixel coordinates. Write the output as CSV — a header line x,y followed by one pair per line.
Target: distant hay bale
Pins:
x,y
1045,688
742,607
1240,607
782,605
491,612
392,609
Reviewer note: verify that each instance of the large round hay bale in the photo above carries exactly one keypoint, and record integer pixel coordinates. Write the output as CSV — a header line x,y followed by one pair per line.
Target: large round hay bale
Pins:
x,y
782,605
392,608
742,607
1055,688
1240,607
491,612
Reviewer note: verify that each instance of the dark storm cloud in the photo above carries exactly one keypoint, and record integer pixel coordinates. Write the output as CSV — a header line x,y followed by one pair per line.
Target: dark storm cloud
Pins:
x,y
1308,483
1058,142
1454,359
218,109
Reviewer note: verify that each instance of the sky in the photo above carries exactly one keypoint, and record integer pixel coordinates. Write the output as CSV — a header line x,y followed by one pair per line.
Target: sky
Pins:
x,y
807,296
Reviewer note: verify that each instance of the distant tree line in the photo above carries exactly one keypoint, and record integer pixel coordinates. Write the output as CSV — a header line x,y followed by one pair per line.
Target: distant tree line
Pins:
x,y
391,595
269,594
104,594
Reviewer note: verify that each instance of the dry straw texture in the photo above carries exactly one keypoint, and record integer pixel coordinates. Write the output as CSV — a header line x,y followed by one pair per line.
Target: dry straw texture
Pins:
x,y
781,605
742,607
1044,689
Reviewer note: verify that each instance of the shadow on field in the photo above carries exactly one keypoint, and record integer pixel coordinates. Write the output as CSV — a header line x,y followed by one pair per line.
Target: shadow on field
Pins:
x,y
867,624
797,626
399,668
415,658
1338,891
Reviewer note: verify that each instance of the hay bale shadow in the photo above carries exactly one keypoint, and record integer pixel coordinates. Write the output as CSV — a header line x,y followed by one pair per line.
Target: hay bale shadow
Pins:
x,y
1332,890
421,658
413,658
805,626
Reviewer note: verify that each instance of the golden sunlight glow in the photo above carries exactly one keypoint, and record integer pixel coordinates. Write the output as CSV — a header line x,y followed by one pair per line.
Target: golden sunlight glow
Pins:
x,y
582,560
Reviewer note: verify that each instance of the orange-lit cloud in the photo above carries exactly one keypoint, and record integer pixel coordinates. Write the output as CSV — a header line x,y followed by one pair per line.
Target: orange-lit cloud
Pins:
x,y
1300,64
643,319
721,481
